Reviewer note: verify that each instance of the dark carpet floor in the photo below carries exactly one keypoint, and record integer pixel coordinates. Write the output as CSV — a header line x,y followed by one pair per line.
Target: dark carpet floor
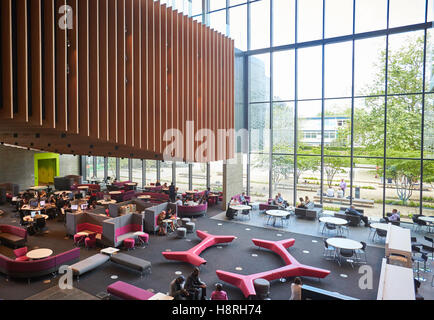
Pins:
x,y
342,279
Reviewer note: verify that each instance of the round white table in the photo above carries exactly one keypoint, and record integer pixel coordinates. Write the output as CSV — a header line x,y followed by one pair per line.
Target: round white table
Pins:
x,y
427,219
106,202
344,243
144,197
241,207
61,192
338,222
276,214
37,188
334,220
39,254
30,219
115,192
381,226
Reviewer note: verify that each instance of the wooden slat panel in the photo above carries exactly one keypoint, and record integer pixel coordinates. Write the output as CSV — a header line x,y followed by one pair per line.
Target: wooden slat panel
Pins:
x,y
144,73
157,75
137,52
151,75
6,109
121,71
21,58
129,98
94,115
103,70
83,67
48,55
195,96
163,73
183,75
73,112
170,71
35,72
177,70
112,56
61,75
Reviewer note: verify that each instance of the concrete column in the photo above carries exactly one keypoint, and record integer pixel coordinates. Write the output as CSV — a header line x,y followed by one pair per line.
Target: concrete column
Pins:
x,y
232,178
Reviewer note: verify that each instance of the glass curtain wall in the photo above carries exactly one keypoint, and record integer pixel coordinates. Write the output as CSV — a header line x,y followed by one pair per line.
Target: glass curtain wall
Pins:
x,y
331,105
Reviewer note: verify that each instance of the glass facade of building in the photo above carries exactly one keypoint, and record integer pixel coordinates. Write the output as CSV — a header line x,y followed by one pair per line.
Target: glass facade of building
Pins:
x,y
333,92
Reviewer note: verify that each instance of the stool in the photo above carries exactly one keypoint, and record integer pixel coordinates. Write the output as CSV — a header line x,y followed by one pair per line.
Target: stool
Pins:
x,y
144,239
184,221
78,239
262,288
129,243
190,227
181,232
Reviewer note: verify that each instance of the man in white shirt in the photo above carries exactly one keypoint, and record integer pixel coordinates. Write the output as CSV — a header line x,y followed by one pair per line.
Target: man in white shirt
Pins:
x,y
178,201
330,192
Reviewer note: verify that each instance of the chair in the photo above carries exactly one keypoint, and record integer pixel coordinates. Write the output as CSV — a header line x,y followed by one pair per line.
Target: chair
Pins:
x,y
78,239
328,227
362,251
90,241
287,218
20,254
40,225
381,234
429,251
432,245
348,254
329,251
422,258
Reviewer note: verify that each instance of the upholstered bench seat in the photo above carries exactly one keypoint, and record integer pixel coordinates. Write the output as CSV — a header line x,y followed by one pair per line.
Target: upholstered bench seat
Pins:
x,y
89,264
131,262
127,291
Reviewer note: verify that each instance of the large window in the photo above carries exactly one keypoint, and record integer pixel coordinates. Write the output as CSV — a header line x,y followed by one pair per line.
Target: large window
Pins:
x,y
330,101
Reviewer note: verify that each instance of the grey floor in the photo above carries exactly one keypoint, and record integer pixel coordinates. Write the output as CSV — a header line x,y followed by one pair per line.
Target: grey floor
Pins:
x,y
314,228
308,249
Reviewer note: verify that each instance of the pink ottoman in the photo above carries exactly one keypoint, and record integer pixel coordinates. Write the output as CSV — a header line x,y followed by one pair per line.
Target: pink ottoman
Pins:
x,y
129,243
144,238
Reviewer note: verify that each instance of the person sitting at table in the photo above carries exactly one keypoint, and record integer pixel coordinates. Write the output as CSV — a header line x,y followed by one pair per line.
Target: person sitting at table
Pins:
x,y
352,210
176,289
243,199
165,185
306,201
301,204
158,184
340,193
234,202
394,217
330,192
218,293
190,202
162,226
178,201
196,287
296,289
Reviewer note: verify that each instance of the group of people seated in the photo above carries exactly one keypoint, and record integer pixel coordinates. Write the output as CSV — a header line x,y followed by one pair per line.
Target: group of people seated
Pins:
x,y
303,203
193,288
279,201
163,224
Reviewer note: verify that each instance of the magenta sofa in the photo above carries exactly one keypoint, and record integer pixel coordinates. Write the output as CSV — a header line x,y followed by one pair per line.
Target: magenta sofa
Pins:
x,y
13,236
116,230
268,206
192,211
126,291
237,197
36,268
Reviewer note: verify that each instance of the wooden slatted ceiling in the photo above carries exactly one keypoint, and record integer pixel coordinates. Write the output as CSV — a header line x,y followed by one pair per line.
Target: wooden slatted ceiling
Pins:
x,y
126,72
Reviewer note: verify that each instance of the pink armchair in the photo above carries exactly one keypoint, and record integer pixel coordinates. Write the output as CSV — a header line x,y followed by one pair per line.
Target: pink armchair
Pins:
x,y
21,254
